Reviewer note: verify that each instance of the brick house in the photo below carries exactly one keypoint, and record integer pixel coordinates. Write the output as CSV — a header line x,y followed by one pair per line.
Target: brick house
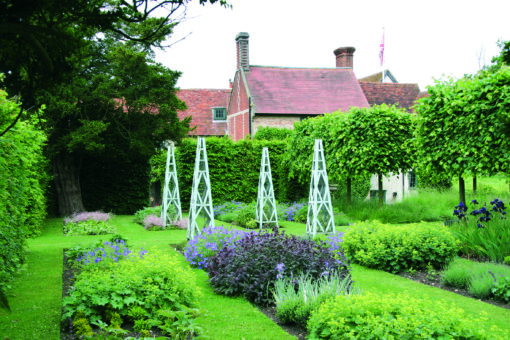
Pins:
x,y
280,96
208,109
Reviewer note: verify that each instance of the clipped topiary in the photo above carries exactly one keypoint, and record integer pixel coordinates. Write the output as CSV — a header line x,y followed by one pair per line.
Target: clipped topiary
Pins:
x,y
396,248
251,266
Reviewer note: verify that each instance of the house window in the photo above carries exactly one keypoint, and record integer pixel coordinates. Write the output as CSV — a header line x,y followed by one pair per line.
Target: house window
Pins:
x,y
219,113
413,182
374,195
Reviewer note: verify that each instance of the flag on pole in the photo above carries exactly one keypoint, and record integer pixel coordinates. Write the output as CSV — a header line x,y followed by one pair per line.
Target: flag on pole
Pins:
x,y
381,51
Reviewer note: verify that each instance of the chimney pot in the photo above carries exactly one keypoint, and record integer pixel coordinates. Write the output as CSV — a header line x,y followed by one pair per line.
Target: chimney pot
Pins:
x,y
344,56
243,61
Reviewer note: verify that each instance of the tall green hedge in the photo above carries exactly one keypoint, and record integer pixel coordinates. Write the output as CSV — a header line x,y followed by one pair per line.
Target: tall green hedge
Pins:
x,y
234,169
115,181
23,181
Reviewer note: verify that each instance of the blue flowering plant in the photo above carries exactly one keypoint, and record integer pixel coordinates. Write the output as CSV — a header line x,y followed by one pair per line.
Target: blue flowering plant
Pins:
x,y
294,211
211,240
101,254
484,232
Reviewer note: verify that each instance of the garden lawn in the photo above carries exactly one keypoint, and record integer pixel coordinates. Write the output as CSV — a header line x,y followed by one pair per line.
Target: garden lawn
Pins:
x,y
36,298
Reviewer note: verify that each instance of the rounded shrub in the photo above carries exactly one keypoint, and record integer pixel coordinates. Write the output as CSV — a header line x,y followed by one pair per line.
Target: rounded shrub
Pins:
x,y
372,316
153,280
251,265
399,248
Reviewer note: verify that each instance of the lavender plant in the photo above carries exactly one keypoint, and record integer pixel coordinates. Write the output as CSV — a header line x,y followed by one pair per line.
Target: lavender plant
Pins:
x,y
88,223
206,244
153,222
484,232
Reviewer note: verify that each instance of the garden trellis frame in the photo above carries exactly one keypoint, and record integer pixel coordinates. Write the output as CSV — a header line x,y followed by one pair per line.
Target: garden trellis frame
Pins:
x,y
201,199
320,211
266,212
171,189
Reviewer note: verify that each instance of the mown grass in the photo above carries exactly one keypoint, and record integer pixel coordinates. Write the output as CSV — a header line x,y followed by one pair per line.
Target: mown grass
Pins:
x,y
36,298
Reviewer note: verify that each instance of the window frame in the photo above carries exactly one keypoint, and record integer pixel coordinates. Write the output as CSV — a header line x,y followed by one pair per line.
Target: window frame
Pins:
x,y
214,114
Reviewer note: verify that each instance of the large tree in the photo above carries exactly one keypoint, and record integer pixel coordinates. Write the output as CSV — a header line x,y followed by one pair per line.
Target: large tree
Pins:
x,y
39,39
119,88
459,127
91,64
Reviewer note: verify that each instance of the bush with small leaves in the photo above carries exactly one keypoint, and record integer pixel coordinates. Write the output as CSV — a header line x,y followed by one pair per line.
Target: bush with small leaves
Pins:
x,y
371,316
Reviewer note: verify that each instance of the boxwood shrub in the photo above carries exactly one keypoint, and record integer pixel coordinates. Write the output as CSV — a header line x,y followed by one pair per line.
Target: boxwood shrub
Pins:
x,y
251,266
399,248
401,316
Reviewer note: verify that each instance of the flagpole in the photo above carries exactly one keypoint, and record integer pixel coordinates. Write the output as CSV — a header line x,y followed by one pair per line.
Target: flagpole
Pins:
x,y
381,57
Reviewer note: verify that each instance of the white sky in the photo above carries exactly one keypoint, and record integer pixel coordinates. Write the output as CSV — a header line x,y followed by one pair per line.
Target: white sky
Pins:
x,y
424,40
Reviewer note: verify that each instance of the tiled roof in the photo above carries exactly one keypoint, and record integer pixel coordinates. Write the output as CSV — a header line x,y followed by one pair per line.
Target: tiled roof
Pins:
x,y
278,90
400,95
200,103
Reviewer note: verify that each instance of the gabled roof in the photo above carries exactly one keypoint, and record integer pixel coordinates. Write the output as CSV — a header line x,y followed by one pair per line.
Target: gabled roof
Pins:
x,y
400,95
376,77
279,90
200,103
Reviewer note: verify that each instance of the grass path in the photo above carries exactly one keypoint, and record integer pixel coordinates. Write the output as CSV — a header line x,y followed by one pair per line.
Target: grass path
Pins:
x,y
36,299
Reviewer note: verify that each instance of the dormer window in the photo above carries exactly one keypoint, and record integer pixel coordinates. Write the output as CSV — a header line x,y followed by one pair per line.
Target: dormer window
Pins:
x,y
219,114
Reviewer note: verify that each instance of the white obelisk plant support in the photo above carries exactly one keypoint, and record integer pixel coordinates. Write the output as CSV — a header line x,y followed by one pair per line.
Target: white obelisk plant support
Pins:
x,y
320,211
201,199
265,212
171,189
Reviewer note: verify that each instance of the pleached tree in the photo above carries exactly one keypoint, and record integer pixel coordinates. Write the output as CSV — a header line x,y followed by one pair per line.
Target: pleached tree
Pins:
x,y
320,211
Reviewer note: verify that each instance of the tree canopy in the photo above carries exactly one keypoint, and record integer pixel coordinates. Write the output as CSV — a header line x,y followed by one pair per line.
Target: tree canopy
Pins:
x,y
460,126
358,144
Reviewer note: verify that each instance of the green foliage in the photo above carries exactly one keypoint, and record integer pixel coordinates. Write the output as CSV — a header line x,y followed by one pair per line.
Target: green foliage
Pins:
x,y
357,144
23,182
483,280
155,281
458,131
485,233
90,227
501,289
179,324
141,214
82,327
296,298
272,133
372,316
399,248
233,169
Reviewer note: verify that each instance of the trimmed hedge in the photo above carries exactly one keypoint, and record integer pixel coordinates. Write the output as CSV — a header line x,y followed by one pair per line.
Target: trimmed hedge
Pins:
x,y
23,182
399,248
234,169
372,316
116,180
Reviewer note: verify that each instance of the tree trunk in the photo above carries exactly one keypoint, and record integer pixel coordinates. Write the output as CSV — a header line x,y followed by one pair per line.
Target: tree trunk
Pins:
x,y
474,184
380,188
349,191
462,190
66,173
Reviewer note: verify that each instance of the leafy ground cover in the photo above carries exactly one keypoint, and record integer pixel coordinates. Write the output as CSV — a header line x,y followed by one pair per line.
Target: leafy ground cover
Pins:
x,y
36,300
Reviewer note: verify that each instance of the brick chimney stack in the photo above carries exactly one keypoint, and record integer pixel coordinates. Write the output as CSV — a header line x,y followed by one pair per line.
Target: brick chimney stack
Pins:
x,y
344,56
242,51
